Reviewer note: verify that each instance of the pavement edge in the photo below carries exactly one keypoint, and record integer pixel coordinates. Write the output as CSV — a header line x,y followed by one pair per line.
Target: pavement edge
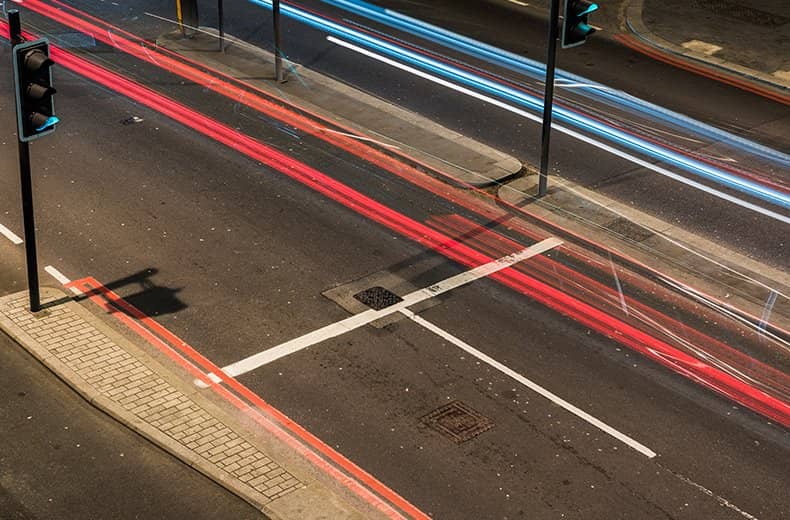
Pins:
x,y
710,264
312,501
633,23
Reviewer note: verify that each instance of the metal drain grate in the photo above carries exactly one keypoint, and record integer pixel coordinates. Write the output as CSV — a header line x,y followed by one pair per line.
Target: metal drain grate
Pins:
x,y
378,298
458,422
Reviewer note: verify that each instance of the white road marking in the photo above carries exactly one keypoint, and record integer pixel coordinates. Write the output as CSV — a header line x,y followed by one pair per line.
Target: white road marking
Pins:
x,y
57,275
10,235
355,136
581,137
578,412
721,500
363,318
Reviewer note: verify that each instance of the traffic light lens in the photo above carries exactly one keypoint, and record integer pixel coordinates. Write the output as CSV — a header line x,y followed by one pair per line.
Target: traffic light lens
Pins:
x,y
575,28
41,122
36,60
37,92
590,9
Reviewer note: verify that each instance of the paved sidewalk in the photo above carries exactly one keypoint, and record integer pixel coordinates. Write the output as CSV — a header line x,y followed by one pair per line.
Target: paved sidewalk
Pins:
x,y
717,271
417,138
750,38
120,378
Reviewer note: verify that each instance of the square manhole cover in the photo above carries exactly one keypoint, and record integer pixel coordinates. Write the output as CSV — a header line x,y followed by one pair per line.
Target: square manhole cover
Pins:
x,y
378,298
458,422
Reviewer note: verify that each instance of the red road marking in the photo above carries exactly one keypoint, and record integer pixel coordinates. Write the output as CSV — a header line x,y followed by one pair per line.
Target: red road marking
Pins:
x,y
602,323
307,444
706,71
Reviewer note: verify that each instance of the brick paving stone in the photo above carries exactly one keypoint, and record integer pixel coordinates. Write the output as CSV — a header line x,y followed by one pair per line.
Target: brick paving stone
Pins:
x,y
124,379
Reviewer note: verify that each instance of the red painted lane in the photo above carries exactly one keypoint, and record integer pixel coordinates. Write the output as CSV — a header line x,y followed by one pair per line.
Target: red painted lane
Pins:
x,y
304,443
137,47
706,71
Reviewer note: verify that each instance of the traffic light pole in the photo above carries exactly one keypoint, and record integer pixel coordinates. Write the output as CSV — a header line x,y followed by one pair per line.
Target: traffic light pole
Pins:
x,y
548,97
278,60
26,184
221,25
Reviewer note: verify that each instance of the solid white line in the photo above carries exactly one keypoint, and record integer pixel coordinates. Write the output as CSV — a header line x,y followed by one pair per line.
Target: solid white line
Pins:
x,y
578,412
355,136
57,275
565,130
363,318
10,235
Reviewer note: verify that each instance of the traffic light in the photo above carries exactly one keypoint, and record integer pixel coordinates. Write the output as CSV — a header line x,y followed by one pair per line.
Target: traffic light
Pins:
x,y
574,24
33,85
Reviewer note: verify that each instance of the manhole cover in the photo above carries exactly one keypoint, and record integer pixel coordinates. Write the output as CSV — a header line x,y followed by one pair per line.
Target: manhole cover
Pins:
x,y
458,422
378,298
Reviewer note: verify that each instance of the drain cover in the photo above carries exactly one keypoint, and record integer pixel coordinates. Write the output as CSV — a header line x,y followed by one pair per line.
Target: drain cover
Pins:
x,y
378,298
458,422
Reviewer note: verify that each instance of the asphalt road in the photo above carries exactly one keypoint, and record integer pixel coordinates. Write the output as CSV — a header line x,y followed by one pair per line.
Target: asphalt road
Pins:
x,y
604,60
521,31
237,257
245,253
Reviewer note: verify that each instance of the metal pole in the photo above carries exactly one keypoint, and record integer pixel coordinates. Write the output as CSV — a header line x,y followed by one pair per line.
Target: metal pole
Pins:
x,y
278,61
548,97
220,26
180,18
26,184
30,226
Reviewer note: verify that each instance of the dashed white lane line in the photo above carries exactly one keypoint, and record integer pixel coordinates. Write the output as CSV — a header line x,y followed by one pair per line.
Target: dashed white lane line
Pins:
x,y
578,412
63,279
10,235
363,318
57,275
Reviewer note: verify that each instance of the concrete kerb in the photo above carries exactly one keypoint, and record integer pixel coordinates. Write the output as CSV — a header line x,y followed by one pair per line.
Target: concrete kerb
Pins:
x,y
311,498
596,212
634,24
699,262
113,409
388,126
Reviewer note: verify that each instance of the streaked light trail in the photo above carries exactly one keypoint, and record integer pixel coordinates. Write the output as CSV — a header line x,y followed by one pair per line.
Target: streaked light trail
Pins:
x,y
567,131
534,103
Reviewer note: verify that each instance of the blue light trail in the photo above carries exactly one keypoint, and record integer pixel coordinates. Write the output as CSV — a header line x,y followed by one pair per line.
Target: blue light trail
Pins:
x,y
517,97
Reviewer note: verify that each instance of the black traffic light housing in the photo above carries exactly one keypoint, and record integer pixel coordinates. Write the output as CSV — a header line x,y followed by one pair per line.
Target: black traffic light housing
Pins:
x,y
34,91
575,28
